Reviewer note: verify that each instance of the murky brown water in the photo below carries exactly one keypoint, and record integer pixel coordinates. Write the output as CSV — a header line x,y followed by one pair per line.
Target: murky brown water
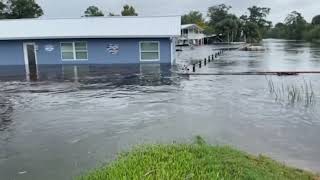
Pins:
x,y
75,118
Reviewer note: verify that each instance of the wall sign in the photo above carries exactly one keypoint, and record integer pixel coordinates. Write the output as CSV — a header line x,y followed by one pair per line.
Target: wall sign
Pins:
x,y
49,47
113,48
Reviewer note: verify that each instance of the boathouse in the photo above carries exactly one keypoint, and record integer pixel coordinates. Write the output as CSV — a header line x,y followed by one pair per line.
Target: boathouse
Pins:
x,y
96,40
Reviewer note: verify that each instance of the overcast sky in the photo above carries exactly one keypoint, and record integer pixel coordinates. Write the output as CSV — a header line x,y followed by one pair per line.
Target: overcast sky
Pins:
x,y
279,8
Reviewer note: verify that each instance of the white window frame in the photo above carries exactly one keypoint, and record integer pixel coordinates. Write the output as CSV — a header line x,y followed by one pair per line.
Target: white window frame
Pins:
x,y
74,50
140,51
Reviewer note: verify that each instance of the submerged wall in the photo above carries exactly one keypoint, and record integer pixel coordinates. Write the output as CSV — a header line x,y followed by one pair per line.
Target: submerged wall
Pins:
x,y
11,52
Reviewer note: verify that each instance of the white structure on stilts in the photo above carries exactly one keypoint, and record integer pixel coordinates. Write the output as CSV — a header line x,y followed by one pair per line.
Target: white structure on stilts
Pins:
x,y
191,34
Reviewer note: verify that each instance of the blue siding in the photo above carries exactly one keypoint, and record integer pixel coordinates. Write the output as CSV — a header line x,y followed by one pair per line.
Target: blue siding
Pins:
x,y
11,52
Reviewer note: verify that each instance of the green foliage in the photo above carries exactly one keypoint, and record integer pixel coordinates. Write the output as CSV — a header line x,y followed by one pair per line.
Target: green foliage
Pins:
x,y
251,28
316,20
222,22
128,11
2,10
194,161
218,13
193,17
252,32
258,15
278,32
296,25
17,9
93,11
313,34
229,26
256,20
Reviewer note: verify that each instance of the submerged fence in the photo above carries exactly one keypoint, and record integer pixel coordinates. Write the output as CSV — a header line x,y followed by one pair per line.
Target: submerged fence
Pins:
x,y
214,57
204,62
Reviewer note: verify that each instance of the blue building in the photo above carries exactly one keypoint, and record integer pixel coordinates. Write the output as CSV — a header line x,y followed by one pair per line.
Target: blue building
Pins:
x,y
112,40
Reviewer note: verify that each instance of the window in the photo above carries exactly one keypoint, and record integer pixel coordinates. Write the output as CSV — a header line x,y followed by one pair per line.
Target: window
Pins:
x,y
149,51
74,51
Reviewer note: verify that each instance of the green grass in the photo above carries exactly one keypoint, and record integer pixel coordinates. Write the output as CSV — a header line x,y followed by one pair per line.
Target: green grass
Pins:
x,y
197,161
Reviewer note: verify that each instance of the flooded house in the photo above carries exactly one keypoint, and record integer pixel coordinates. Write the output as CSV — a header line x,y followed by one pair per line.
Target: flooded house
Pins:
x,y
97,40
191,34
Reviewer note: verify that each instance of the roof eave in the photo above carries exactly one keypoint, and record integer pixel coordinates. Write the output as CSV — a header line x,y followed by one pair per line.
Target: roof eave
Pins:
x,y
87,37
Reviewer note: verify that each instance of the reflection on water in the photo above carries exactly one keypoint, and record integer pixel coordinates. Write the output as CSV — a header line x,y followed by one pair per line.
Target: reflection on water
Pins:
x,y
74,118
6,111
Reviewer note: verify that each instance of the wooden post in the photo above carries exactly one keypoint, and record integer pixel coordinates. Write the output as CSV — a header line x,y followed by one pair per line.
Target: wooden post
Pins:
x,y
212,57
205,61
199,64
194,68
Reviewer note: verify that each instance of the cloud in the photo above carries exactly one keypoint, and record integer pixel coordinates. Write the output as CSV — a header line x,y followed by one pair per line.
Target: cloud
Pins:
x,y
279,8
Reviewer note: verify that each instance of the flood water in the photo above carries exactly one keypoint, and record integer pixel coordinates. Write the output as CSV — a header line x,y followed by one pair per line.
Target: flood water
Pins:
x,y
75,118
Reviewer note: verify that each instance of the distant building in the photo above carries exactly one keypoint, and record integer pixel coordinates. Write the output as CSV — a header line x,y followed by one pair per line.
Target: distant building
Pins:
x,y
96,40
191,34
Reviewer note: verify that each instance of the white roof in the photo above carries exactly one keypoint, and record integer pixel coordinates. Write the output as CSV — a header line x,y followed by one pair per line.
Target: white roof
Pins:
x,y
187,26
93,27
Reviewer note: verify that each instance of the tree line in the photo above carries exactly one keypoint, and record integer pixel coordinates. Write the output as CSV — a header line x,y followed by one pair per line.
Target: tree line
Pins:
x,y
295,27
18,9
254,26
93,11
228,26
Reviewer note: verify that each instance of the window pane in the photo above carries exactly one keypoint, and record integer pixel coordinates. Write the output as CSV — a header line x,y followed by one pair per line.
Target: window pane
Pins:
x,y
81,46
149,56
81,55
66,47
149,46
67,55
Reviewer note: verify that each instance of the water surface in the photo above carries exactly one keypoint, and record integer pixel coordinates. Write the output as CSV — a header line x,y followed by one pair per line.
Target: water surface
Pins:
x,y
75,118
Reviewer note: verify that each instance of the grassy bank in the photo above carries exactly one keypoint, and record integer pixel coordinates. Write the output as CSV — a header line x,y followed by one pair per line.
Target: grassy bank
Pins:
x,y
194,161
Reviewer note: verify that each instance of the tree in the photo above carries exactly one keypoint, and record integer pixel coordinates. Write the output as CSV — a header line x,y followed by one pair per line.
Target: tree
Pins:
x,y
93,11
217,13
313,34
251,32
128,11
279,31
258,15
296,25
18,9
224,23
3,7
193,17
228,26
316,20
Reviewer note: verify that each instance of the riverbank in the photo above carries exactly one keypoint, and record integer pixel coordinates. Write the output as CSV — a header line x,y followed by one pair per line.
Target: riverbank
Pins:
x,y
195,161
